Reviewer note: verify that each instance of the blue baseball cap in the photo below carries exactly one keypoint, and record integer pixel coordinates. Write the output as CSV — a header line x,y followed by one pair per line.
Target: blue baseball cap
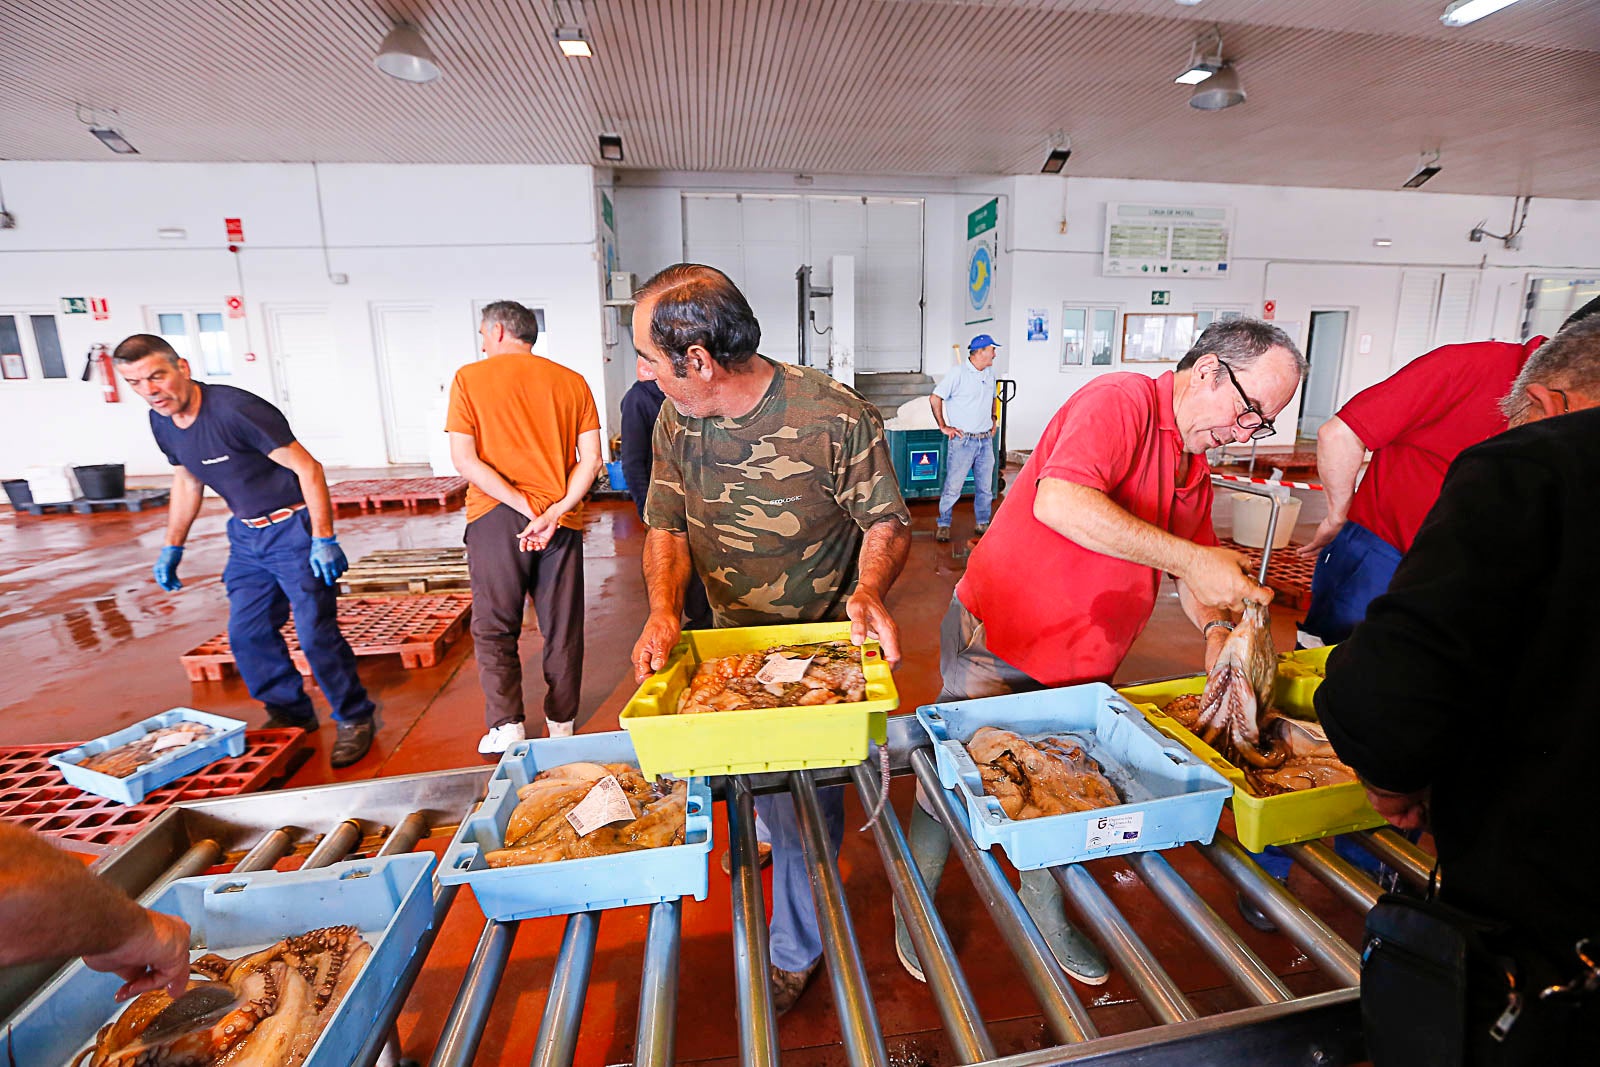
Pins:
x,y
983,340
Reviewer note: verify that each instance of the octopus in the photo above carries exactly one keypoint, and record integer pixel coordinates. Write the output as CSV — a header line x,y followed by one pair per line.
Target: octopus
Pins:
x,y
1031,779
538,830
264,1009
123,760
732,683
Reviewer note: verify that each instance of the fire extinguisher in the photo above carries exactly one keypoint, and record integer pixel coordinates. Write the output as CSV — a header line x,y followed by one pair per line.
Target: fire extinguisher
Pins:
x,y
99,363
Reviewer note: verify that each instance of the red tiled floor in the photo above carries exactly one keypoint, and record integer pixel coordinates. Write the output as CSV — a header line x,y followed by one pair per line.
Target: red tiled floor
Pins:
x,y
94,645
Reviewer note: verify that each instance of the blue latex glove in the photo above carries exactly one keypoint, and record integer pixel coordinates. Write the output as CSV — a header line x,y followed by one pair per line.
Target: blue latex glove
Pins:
x,y
166,568
327,559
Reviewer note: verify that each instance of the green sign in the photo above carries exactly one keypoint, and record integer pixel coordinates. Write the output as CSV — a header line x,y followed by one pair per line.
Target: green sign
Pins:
x,y
983,219
74,305
1160,296
607,213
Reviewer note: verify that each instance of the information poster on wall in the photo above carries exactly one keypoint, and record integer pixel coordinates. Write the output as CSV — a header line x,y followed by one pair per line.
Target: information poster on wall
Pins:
x,y
983,250
1038,324
1157,239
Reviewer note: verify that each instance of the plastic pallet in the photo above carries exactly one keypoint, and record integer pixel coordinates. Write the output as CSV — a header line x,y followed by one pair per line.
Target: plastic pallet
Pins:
x,y
33,793
415,628
137,500
409,570
1287,573
375,493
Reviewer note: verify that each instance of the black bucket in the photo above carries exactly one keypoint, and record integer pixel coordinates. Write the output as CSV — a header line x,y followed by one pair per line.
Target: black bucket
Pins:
x,y
18,492
102,481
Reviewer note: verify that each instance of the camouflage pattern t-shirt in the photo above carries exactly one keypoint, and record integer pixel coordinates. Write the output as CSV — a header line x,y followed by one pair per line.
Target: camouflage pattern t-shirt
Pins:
x,y
775,503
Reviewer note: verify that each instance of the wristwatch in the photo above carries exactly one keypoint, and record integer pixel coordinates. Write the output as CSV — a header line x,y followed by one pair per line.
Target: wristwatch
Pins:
x,y
1205,631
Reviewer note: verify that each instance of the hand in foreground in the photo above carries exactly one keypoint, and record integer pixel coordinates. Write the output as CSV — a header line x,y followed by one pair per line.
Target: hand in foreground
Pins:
x,y
1405,811
327,559
154,956
535,536
1219,578
1327,530
870,620
655,644
166,568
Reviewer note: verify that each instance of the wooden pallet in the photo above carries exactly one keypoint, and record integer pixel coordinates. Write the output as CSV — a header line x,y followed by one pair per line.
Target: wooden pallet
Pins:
x,y
376,493
1287,574
416,628
137,500
408,570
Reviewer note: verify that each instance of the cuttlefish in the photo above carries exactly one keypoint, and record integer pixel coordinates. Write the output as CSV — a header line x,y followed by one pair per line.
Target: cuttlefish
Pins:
x,y
1238,693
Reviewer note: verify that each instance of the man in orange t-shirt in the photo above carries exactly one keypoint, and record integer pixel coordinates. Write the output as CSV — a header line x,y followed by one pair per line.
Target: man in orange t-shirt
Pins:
x,y
525,434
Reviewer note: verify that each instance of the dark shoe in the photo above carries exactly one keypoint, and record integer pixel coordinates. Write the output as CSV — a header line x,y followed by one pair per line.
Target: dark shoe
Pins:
x,y
352,742
1255,916
981,529
942,534
788,985
279,722
763,851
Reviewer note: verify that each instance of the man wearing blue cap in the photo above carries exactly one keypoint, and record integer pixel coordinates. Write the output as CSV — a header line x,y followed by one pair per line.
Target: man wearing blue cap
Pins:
x,y
968,422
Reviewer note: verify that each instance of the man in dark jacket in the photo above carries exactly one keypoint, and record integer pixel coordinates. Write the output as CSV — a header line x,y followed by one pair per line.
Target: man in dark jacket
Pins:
x,y
1465,700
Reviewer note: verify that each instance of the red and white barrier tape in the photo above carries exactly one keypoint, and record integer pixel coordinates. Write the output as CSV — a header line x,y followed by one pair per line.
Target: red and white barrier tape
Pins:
x,y
1267,481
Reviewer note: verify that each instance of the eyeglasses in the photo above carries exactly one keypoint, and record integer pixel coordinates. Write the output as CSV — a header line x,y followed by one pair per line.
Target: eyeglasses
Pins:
x,y
1566,405
1251,418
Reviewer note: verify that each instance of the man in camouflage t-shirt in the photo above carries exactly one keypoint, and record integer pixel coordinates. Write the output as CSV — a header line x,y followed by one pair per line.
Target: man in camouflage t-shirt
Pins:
x,y
773,482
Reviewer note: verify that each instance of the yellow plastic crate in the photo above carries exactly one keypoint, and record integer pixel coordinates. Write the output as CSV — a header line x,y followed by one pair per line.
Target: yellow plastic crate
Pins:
x,y
1261,821
763,739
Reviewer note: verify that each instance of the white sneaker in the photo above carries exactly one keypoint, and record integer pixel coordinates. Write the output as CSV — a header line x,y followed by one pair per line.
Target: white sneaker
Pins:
x,y
501,738
557,729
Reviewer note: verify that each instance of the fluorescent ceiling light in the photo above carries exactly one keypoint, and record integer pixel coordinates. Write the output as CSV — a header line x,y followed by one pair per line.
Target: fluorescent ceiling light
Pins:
x,y
172,233
1430,167
1382,242
611,147
1055,160
574,42
405,55
1221,90
1198,72
1463,12
114,141
1203,61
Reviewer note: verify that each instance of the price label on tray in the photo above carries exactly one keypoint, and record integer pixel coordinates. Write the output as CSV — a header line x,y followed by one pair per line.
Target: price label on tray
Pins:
x,y
779,668
1114,829
605,804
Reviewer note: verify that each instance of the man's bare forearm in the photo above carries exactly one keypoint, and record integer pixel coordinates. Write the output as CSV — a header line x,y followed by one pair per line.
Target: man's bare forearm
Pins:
x,y
35,879
184,508
1339,456
314,487
1090,518
883,556
484,478
1198,613
937,403
666,571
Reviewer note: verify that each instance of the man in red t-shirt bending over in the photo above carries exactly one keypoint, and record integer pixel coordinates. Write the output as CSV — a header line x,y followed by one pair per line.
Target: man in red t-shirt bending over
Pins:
x,y
1117,493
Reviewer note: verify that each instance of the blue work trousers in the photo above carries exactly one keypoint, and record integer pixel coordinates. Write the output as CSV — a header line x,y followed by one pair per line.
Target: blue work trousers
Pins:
x,y
963,454
268,573
794,942
1352,571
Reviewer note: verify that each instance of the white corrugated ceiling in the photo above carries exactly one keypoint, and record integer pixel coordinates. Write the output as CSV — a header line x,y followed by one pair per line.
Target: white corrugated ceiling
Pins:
x,y
1343,93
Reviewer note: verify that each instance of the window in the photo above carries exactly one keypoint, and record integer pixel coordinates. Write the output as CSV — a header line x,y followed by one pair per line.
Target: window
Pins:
x,y
1205,315
30,349
1087,334
201,337
1551,300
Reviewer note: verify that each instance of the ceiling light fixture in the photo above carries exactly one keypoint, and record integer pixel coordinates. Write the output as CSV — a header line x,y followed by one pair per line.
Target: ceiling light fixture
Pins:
x,y
611,147
1463,12
114,140
574,43
1382,242
1202,64
1430,166
405,55
1221,90
1060,151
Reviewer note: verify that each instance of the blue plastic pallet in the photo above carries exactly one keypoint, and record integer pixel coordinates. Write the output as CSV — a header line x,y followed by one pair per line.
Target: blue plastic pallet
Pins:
x,y
389,900
567,886
179,762
1172,796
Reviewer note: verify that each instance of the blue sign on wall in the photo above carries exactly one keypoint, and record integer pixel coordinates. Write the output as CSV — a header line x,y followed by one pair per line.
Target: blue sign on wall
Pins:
x,y
925,465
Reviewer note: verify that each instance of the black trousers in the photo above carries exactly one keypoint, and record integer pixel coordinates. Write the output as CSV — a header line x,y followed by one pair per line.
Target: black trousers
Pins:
x,y
503,577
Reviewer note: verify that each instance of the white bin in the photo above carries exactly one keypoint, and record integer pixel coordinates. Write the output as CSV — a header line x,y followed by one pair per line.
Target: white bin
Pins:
x,y
1250,516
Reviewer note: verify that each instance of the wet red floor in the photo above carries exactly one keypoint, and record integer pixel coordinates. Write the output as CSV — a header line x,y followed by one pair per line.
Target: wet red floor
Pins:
x,y
93,645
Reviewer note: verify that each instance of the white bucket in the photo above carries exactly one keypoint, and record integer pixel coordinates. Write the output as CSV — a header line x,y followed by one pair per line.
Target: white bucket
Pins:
x,y
1250,516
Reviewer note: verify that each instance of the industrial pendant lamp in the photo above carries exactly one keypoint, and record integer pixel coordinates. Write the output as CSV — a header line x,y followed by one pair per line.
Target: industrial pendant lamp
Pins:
x,y
1221,90
405,55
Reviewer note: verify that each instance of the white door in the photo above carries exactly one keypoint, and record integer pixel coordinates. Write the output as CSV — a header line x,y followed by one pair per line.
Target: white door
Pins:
x,y
1325,350
412,377
303,352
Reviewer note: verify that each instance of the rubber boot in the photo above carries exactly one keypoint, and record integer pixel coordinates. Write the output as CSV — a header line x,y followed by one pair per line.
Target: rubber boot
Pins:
x,y
930,848
1077,955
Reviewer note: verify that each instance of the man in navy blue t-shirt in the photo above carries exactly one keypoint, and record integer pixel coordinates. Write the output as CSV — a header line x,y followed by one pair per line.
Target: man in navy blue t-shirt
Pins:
x,y
282,552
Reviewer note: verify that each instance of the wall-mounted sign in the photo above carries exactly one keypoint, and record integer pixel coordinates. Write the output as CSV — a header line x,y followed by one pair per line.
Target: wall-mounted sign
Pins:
x,y
100,308
74,305
1160,296
1148,240
235,230
1269,309
235,307
1038,324
983,251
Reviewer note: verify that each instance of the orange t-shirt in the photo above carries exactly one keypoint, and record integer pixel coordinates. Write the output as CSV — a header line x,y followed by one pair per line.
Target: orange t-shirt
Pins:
x,y
526,414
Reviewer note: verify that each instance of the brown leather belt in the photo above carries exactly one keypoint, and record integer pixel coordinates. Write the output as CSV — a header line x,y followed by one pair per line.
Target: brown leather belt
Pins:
x,y
272,519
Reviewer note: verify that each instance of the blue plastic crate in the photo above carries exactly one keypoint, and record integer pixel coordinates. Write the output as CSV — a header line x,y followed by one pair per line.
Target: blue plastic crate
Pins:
x,y
229,741
1172,796
648,876
389,900
614,475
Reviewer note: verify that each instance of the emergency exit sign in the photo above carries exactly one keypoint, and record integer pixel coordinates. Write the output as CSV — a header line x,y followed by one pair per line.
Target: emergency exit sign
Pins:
x,y
1160,296
74,305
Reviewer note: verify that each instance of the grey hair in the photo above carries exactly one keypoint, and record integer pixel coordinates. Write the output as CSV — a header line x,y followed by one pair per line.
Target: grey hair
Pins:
x,y
1569,360
1240,343
518,320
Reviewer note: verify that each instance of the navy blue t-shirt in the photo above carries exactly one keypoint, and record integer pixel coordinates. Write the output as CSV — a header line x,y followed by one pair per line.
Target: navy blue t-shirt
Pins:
x,y
226,448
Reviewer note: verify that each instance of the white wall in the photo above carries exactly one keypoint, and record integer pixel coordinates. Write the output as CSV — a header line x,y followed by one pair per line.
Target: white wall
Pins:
x,y
439,236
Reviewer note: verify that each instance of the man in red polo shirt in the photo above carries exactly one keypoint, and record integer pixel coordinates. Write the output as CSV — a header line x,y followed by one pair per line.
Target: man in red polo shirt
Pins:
x,y
1117,493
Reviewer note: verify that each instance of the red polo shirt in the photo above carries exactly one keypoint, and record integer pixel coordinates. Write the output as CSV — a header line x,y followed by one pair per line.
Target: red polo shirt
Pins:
x,y
1050,607
1418,420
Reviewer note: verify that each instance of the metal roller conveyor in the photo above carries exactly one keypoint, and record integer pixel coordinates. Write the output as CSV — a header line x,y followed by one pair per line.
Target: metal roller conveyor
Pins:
x,y
1337,873
463,1027
563,1010
1414,865
336,846
1064,1013
267,852
957,1008
758,1026
858,1019
200,857
654,1044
